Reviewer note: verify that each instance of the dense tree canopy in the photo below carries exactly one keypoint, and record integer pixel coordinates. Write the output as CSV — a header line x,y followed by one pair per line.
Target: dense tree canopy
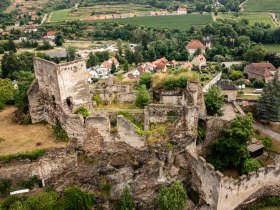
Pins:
x,y
214,100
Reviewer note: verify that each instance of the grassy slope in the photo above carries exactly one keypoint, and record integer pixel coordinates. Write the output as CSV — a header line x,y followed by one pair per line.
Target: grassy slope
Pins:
x,y
181,22
262,6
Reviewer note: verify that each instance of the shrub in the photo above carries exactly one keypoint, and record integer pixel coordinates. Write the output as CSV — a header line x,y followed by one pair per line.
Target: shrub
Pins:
x,y
250,165
30,183
143,97
32,155
76,199
97,99
214,100
146,79
173,197
126,202
258,84
5,185
59,132
267,142
83,110
127,115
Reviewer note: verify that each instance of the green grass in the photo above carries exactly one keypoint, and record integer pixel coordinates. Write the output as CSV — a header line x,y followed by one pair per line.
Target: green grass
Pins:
x,y
262,6
273,48
181,22
82,12
252,17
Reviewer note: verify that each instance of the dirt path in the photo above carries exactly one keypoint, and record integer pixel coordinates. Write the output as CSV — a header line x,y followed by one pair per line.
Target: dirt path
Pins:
x,y
267,131
241,6
275,19
16,138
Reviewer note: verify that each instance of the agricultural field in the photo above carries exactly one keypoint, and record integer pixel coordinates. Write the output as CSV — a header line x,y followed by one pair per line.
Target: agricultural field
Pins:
x,y
252,17
262,6
181,22
82,12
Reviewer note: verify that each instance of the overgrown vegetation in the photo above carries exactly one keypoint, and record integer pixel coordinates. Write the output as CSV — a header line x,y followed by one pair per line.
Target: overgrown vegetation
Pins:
x,y
7,92
143,97
270,201
31,155
126,201
230,150
172,197
71,199
59,133
131,118
214,100
83,110
5,185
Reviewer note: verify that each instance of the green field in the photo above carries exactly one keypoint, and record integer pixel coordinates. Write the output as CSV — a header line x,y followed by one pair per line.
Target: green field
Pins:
x,y
252,17
262,6
181,22
82,12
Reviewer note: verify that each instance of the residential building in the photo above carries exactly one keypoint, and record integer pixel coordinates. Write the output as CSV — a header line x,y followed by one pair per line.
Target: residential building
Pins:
x,y
181,11
260,71
30,29
99,72
188,65
199,61
50,35
108,64
147,67
134,74
193,45
160,64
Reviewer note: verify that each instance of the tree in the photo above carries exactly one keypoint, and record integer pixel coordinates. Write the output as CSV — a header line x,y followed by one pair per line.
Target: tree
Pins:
x,y
125,66
173,197
7,91
76,199
92,60
214,100
250,165
11,46
268,106
71,53
59,40
256,54
46,46
197,52
24,80
113,68
230,150
126,202
143,97
146,79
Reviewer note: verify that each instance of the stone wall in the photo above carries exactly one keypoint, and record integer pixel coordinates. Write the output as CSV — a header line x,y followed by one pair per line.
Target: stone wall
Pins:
x,y
53,162
221,192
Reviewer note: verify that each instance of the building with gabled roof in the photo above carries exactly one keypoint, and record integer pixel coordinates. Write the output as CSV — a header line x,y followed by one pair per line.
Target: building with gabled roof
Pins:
x,y
199,61
193,45
260,71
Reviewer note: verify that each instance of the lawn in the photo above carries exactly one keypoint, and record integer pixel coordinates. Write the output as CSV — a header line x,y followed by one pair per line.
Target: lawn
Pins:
x,y
252,17
82,12
181,22
16,138
262,6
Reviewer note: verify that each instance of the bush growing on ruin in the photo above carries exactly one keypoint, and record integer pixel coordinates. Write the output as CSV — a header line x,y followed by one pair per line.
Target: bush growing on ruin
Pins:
x,y
30,155
250,165
214,100
143,97
146,79
172,197
83,110
126,201
76,199
97,99
59,133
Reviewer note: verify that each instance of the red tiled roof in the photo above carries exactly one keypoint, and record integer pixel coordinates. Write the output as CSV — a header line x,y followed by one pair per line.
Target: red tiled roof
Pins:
x,y
106,64
195,44
261,69
188,64
51,33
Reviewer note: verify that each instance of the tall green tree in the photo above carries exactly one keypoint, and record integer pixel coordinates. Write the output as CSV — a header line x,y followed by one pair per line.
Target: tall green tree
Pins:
x,y
172,197
125,66
143,97
59,40
113,68
92,60
268,107
7,91
126,202
71,53
214,100
11,46
146,79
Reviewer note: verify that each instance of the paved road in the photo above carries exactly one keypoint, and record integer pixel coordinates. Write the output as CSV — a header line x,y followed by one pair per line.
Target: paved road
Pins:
x,y
267,131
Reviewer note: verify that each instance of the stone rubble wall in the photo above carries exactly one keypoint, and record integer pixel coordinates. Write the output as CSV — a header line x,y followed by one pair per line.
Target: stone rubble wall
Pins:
x,y
221,192
54,161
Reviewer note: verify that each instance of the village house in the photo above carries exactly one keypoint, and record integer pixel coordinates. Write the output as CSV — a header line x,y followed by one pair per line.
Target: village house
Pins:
x,y
98,72
188,65
50,35
199,61
193,45
30,29
181,11
160,64
108,64
228,89
260,71
172,63
133,74
147,67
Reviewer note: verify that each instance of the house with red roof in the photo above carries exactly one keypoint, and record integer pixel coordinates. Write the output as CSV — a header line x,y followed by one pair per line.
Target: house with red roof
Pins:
x,y
188,65
193,45
108,64
260,71
199,61
50,35
160,64
30,29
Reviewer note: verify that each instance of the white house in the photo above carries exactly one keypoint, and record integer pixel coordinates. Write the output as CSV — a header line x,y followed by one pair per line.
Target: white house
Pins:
x,y
193,45
199,61
181,11
50,35
99,72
